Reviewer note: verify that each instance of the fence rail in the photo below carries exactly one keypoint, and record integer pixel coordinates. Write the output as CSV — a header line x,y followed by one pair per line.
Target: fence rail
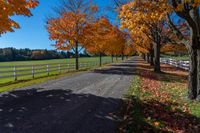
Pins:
x,y
179,64
41,70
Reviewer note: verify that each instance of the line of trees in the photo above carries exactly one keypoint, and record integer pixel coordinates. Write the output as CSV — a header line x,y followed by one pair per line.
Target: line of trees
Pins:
x,y
152,26
76,26
12,54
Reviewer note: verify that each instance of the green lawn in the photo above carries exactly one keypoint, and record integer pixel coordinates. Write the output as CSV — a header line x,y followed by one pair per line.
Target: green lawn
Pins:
x,y
87,59
25,67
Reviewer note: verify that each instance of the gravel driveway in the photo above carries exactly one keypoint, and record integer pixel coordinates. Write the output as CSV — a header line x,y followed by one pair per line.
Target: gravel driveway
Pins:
x,y
82,103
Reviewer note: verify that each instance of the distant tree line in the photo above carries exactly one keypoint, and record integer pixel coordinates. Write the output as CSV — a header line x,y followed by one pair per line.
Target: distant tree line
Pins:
x,y
13,54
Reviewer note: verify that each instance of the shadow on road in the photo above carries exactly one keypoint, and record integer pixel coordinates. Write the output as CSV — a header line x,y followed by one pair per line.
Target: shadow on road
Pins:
x,y
131,67
125,68
56,111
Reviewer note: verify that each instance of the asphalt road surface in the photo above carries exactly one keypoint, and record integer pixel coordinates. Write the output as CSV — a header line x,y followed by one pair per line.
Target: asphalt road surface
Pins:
x,y
82,103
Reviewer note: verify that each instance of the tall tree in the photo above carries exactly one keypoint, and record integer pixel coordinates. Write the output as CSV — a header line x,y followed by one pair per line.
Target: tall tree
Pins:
x,y
97,36
146,16
102,37
189,11
67,28
117,43
143,45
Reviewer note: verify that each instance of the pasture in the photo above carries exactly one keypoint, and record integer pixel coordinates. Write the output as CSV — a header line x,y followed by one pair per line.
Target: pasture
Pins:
x,y
25,70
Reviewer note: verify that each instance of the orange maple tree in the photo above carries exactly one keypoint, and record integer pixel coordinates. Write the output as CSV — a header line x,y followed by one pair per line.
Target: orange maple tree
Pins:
x,y
67,28
102,37
117,43
96,37
146,17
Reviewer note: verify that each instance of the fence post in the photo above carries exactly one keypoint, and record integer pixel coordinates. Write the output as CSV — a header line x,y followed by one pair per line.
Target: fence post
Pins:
x,y
47,70
33,72
68,68
59,68
15,73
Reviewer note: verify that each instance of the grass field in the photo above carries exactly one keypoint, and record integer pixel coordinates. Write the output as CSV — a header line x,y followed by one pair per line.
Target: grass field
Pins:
x,y
25,67
16,63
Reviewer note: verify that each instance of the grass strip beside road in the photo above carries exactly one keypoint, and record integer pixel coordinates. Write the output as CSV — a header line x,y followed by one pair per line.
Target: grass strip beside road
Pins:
x,y
159,103
25,83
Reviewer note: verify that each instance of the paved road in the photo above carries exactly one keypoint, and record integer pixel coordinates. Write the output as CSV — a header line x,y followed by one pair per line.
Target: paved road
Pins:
x,y
82,103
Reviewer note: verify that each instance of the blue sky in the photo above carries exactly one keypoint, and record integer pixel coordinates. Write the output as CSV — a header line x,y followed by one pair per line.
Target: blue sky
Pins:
x,y
32,33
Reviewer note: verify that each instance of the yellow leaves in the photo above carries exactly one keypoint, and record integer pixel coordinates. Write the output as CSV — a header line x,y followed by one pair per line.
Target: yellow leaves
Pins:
x,y
179,7
174,48
156,123
184,4
139,17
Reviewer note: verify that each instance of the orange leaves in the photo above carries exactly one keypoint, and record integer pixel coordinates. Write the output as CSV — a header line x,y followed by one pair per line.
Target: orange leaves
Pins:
x,y
163,104
102,37
174,48
96,36
32,4
186,4
143,19
142,13
9,8
66,29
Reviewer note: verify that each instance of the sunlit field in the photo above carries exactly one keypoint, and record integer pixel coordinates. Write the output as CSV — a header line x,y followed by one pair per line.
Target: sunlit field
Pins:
x,y
25,67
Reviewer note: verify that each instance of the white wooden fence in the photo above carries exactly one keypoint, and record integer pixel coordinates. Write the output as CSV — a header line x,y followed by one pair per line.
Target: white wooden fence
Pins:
x,y
179,64
41,70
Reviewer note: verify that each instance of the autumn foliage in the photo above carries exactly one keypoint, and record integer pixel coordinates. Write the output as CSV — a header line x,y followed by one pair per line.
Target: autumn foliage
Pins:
x,y
158,103
103,37
10,8
66,30
152,20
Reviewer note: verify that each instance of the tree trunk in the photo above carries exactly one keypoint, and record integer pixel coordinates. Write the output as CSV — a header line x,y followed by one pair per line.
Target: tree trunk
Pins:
x,y
192,84
144,57
122,56
100,59
198,74
147,58
112,58
157,57
197,20
151,58
77,55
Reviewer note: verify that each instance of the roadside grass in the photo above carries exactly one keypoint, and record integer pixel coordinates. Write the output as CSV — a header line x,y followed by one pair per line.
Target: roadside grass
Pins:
x,y
10,84
159,103
133,117
28,82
